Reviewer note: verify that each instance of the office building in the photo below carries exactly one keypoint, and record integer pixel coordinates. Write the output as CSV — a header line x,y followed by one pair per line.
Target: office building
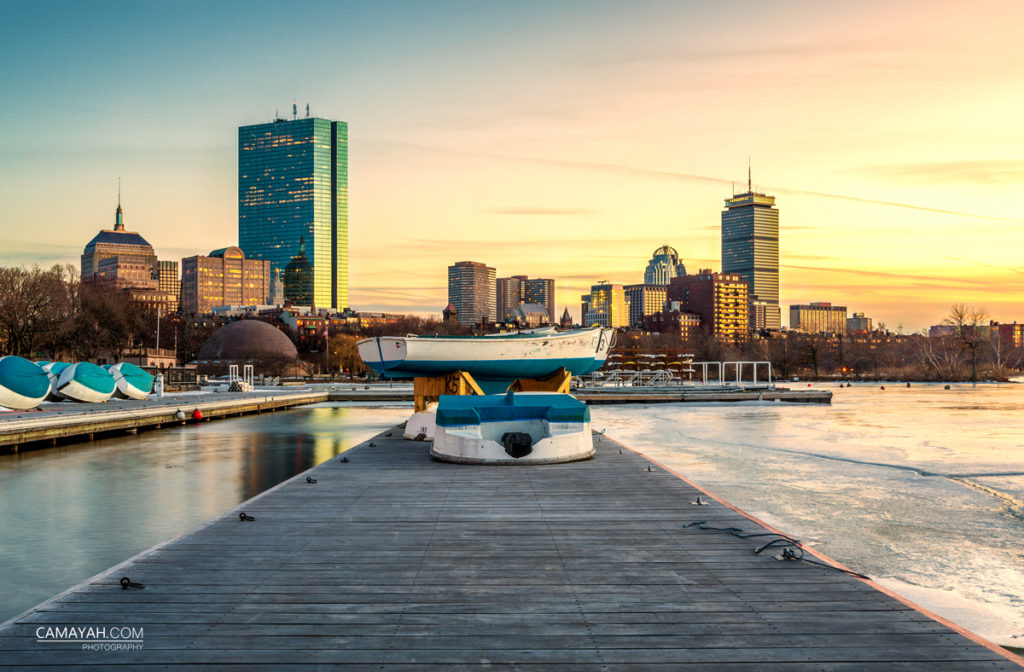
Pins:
x,y
471,290
644,300
818,318
170,281
750,249
518,289
858,322
293,186
606,306
720,299
118,242
224,278
298,279
663,266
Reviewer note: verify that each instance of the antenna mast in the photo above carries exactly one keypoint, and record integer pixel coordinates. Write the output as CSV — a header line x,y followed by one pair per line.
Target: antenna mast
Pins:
x,y
750,187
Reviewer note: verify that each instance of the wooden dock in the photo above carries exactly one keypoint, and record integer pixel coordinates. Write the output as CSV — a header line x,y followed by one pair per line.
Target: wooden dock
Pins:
x,y
70,421
392,561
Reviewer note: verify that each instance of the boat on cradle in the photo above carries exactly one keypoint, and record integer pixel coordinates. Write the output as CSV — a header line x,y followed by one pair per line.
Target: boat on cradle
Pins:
x,y
53,370
86,382
23,385
132,382
512,428
494,361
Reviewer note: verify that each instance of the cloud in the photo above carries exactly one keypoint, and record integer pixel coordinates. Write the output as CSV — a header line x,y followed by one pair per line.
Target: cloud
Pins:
x,y
947,281
634,171
541,211
988,171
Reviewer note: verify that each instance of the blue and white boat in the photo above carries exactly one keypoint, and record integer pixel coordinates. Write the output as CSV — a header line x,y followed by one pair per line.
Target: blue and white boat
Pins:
x,y
494,361
86,382
53,370
512,428
132,381
23,385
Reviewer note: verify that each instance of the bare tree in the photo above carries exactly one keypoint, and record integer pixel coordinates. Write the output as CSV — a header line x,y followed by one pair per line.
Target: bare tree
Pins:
x,y
967,322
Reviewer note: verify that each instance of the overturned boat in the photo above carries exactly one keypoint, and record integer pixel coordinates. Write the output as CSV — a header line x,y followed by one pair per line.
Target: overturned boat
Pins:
x,y
132,382
23,385
86,382
513,428
53,370
494,361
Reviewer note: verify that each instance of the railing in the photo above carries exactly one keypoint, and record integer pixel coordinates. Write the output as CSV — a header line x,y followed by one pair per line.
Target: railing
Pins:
x,y
712,375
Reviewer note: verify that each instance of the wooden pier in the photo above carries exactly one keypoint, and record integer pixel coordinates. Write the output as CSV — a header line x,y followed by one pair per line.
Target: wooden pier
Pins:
x,y
393,561
71,421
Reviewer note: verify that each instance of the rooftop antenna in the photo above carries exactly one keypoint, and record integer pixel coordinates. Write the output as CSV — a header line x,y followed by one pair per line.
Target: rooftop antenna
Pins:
x,y
750,188
119,191
295,111
307,110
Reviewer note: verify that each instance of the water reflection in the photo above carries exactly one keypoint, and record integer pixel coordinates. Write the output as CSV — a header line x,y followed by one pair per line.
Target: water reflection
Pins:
x,y
73,511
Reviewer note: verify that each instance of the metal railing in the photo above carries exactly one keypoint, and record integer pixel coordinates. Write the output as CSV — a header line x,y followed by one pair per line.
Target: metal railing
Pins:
x,y
741,374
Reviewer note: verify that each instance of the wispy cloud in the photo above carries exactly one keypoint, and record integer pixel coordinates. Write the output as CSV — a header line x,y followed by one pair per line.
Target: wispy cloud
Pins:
x,y
987,171
635,171
540,211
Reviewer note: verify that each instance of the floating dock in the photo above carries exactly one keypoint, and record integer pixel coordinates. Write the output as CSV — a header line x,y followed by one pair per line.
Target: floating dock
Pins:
x,y
393,561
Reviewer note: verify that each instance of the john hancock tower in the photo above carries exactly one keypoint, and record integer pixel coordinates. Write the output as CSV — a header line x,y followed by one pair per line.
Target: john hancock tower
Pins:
x,y
293,187
750,249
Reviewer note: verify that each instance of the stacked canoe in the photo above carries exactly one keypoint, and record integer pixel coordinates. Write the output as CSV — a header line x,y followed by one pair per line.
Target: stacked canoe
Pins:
x,y
25,384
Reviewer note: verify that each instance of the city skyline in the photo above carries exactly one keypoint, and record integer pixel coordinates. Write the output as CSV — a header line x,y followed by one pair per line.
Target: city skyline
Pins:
x,y
893,155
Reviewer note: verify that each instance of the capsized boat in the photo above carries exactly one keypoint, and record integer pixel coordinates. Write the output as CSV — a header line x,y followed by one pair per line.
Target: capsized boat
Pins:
x,y
512,428
494,361
53,370
87,382
132,382
23,385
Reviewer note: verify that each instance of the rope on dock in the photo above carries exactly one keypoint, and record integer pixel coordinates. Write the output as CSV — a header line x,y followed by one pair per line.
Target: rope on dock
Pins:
x,y
791,548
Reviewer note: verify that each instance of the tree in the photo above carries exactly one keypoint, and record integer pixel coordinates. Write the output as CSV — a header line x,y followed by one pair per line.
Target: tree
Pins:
x,y
967,322
342,354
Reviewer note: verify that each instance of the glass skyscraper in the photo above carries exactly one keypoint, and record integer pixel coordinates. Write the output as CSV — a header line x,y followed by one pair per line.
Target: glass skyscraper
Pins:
x,y
750,249
293,185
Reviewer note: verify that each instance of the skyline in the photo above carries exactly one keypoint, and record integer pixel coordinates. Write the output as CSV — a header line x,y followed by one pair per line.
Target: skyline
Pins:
x,y
889,135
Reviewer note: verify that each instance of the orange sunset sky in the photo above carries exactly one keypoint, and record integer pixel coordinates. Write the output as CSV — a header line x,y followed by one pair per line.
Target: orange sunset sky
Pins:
x,y
552,139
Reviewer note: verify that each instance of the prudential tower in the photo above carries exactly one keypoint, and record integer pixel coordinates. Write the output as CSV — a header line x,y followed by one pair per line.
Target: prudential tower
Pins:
x,y
750,248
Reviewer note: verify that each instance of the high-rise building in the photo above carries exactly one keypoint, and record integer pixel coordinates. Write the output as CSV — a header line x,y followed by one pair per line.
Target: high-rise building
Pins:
x,y
750,249
471,290
518,289
293,185
606,306
509,294
818,318
118,242
645,299
720,299
170,281
298,279
858,322
541,291
224,278
663,266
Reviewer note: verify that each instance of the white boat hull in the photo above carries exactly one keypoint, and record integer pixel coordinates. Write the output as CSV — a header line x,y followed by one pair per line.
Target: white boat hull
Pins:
x,y
553,442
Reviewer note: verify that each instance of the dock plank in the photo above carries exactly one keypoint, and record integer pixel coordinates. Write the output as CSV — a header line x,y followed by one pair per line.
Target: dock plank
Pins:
x,y
396,561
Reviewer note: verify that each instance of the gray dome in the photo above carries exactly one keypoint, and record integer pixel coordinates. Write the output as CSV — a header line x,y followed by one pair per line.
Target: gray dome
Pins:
x,y
246,340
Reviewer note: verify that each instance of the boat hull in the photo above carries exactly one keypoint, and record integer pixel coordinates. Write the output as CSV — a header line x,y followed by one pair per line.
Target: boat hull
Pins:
x,y
522,429
131,381
488,358
23,385
86,382
53,370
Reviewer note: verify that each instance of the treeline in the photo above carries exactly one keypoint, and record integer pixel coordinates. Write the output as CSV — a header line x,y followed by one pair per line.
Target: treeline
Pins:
x,y
50,313
971,351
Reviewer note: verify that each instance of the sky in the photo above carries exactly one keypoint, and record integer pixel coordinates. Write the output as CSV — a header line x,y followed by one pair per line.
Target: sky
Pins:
x,y
554,139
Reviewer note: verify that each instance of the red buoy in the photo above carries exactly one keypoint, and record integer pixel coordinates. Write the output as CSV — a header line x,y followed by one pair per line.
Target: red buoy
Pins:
x,y
197,414
883,387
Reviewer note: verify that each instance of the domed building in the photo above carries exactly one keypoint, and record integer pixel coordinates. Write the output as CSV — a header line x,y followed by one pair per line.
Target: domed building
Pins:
x,y
247,342
663,266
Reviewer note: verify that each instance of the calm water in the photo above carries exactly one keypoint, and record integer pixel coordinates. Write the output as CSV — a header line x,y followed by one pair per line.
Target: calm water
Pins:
x,y
69,513
920,488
